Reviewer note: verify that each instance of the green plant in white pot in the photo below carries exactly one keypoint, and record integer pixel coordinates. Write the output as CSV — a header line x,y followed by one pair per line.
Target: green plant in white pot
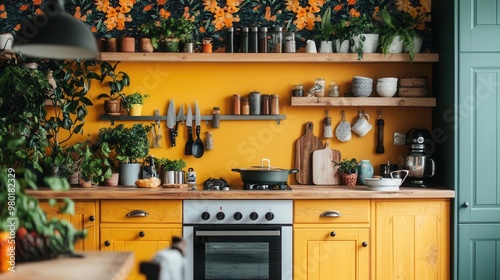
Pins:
x,y
325,32
133,103
365,34
396,32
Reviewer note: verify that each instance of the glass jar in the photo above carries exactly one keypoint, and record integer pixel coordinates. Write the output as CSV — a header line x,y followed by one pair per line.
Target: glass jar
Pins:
x,y
264,108
318,88
290,42
275,105
277,40
253,40
216,117
333,90
236,104
230,40
245,106
209,142
298,90
244,40
263,40
255,103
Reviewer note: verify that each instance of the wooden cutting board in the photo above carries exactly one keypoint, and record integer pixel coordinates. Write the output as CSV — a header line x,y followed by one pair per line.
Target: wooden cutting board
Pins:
x,y
304,148
324,170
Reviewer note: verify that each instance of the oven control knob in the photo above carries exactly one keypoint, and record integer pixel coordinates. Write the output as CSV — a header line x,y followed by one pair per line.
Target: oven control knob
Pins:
x,y
238,216
205,216
269,216
220,216
254,216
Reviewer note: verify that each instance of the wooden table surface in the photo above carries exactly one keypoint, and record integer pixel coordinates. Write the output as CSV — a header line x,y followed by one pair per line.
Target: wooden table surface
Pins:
x,y
93,266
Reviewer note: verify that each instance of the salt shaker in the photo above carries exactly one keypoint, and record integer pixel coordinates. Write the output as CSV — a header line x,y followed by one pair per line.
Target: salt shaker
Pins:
x,y
209,142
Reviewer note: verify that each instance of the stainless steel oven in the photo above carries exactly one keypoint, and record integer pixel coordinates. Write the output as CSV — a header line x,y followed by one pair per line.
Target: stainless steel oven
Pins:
x,y
238,239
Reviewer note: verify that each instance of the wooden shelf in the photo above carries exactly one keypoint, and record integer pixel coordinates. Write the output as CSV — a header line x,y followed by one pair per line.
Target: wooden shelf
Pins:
x,y
203,118
365,101
269,57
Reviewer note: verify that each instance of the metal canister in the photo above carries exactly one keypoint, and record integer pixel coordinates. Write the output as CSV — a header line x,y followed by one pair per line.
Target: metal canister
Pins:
x,y
255,103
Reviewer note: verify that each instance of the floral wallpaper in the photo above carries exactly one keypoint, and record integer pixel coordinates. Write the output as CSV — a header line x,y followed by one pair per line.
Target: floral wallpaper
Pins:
x,y
114,18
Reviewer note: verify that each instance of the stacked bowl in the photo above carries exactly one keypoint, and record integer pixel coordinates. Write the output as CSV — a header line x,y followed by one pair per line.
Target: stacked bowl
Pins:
x,y
362,86
387,87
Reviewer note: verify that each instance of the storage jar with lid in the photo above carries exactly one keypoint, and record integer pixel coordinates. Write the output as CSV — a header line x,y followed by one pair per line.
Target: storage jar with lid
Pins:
x,y
216,117
263,40
255,103
253,40
244,40
229,40
275,105
277,40
264,109
290,42
236,104
245,106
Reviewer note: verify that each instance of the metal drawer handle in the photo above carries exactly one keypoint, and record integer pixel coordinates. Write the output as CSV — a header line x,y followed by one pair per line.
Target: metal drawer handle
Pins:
x,y
137,213
331,213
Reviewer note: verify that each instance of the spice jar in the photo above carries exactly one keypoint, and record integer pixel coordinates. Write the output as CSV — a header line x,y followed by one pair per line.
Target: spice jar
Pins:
x,y
255,103
230,40
245,106
263,40
209,142
277,40
216,117
298,90
236,104
290,42
275,106
253,40
333,90
264,108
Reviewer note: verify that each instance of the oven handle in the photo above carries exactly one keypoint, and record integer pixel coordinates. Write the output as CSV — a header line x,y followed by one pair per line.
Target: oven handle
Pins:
x,y
237,233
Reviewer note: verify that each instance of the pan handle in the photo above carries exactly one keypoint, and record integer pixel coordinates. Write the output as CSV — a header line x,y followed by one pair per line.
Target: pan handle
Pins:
x,y
293,171
236,169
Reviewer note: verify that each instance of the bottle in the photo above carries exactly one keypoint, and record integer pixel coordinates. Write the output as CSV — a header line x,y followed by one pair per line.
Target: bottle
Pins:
x,y
236,104
209,142
298,90
333,90
290,42
191,177
245,106
216,117
263,40
275,105
253,40
254,103
230,40
244,40
365,170
264,108
277,40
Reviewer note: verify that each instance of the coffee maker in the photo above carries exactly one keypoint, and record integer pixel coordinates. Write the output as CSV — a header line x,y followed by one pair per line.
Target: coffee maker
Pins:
x,y
418,162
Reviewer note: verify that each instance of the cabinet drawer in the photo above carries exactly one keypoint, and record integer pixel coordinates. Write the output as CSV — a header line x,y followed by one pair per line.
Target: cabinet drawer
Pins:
x,y
141,211
331,211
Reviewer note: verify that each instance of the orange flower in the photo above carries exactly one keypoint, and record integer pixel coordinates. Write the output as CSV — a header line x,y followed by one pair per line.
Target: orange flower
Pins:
x,y
210,5
202,29
351,2
268,16
256,8
338,7
228,20
301,12
310,21
23,7
2,7
354,13
314,9
37,2
161,2
124,9
148,7
232,9
18,27
120,22
102,5
93,29
219,13
3,14
164,13
38,11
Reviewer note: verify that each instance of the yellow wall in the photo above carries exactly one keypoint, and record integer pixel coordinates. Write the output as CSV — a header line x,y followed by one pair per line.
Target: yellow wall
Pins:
x,y
244,143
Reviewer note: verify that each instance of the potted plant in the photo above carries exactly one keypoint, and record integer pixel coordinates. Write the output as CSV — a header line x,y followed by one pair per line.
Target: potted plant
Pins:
x,y
365,35
171,170
91,162
342,34
325,32
116,82
133,103
147,31
130,144
396,32
348,169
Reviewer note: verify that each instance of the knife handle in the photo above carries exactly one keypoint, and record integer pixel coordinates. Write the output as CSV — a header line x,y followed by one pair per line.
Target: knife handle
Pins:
x,y
172,137
175,130
197,131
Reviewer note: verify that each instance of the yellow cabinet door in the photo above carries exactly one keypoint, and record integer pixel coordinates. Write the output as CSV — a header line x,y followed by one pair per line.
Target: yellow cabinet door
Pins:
x,y
412,239
144,241
85,217
333,254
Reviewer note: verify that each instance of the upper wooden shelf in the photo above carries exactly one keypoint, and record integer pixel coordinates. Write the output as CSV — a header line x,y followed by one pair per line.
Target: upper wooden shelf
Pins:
x,y
268,57
365,101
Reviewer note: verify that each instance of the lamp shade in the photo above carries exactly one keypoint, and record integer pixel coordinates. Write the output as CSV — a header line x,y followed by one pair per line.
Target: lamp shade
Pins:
x,y
56,34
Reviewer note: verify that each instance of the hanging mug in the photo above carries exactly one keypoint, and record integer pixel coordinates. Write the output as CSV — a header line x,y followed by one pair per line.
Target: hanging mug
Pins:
x,y
362,126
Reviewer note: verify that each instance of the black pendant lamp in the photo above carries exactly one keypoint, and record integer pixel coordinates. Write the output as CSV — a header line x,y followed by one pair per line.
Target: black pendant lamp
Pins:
x,y
55,34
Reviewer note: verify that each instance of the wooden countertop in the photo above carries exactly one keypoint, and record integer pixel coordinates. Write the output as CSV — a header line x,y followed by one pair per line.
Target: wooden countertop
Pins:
x,y
297,192
93,265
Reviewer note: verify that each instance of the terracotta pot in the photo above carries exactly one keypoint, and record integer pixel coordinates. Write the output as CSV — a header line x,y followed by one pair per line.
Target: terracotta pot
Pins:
x,y
101,44
111,45
127,44
145,45
113,107
113,180
349,179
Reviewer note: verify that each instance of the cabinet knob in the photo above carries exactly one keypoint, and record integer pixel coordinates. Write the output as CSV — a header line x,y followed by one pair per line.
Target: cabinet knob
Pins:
x,y
107,243
332,234
364,244
142,234
92,218
465,205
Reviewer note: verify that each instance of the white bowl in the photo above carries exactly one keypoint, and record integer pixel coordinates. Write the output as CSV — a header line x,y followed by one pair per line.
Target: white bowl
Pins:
x,y
388,80
383,184
386,92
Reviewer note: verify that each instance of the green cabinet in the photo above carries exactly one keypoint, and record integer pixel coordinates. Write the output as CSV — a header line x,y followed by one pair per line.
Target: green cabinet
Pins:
x,y
479,25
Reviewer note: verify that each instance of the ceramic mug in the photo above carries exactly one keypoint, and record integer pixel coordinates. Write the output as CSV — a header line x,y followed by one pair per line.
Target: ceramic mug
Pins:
x,y
362,126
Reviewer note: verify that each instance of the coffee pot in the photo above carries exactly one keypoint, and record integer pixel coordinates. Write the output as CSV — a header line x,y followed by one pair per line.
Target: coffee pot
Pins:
x,y
418,161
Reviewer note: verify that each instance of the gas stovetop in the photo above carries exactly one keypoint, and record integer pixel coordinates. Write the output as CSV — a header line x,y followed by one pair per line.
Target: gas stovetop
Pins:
x,y
272,187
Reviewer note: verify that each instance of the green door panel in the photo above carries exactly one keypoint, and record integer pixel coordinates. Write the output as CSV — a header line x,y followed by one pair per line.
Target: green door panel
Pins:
x,y
479,25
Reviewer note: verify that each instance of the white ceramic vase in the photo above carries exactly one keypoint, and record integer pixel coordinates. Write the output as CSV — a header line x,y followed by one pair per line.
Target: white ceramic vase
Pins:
x,y
342,47
417,44
396,46
369,45
326,47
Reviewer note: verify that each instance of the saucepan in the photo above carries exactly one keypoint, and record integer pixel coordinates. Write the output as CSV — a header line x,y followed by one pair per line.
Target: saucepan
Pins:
x,y
264,174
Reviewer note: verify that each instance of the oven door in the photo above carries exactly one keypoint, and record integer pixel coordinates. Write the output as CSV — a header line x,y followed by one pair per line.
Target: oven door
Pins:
x,y
241,252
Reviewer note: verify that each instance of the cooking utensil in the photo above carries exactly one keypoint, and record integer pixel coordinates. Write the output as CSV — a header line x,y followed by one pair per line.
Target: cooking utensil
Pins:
x,y
380,133
179,118
324,171
197,147
327,126
156,134
343,130
264,174
304,148
171,121
189,124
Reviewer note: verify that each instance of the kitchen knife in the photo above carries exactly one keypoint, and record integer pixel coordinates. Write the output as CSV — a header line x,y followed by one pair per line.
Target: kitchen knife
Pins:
x,y
189,124
171,121
180,116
